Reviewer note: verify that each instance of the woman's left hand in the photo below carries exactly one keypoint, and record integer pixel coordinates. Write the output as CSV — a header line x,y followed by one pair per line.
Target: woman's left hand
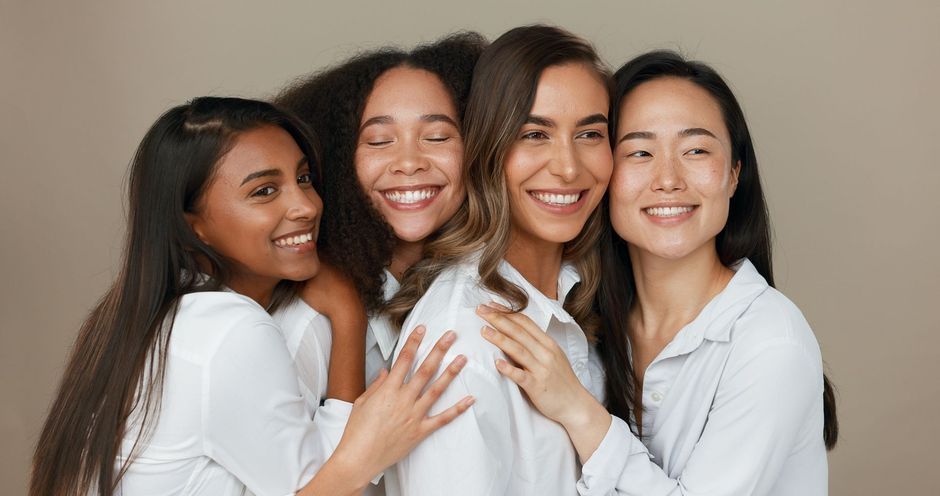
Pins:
x,y
542,370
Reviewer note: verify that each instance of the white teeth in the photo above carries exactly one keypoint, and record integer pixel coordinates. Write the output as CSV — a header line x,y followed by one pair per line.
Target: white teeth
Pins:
x,y
408,197
294,240
667,211
553,199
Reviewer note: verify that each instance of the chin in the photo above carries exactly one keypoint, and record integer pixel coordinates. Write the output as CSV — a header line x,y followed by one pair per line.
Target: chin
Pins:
x,y
412,233
302,273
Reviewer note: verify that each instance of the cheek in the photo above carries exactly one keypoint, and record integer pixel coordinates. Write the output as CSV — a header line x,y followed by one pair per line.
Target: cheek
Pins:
x,y
599,161
368,169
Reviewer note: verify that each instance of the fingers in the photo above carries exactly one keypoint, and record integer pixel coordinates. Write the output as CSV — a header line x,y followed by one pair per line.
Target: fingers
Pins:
x,y
515,374
512,348
431,363
407,356
515,325
434,423
436,389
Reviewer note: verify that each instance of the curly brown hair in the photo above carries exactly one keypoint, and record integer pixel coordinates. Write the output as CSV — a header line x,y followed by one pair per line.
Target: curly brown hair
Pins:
x,y
353,235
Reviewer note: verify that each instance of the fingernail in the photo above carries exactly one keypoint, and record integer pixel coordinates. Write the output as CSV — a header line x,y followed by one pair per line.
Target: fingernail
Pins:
x,y
483,309
460,360
469,401
487,331
449,337
419,330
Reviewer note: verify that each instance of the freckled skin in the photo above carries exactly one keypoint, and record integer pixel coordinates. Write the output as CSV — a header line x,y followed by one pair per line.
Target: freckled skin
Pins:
x,y
694,169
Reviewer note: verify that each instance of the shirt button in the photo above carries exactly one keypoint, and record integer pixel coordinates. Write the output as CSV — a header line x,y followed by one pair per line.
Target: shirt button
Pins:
x,y
656,396
578,366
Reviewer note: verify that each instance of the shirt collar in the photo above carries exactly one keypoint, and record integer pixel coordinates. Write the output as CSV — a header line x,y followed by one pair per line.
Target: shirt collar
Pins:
x,y
541,308
385,334
715,321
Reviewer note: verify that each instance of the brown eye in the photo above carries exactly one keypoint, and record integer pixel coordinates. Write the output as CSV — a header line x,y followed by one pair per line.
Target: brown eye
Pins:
x,y
265,191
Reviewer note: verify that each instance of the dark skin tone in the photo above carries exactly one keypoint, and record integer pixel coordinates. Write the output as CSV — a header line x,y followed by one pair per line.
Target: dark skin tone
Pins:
x,y
261,213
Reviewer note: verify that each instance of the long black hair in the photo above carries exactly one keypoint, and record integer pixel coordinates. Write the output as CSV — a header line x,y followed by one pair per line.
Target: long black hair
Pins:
x,y
119,358
353,234
746,233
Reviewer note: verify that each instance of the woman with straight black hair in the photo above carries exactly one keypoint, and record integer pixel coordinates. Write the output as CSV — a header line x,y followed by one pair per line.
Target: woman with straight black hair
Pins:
x,y
714,379
180,382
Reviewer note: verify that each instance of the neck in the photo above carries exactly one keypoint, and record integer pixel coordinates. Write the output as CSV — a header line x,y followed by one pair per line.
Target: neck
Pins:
x,y
405,254
671,293
538,261
259,290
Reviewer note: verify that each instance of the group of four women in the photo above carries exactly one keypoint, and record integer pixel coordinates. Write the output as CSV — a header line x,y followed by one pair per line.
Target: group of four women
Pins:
x,y
587,255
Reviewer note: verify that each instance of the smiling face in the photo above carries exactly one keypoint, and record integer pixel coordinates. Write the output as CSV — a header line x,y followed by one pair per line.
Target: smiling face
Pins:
x,y
673,176
409,154
559,166
261,213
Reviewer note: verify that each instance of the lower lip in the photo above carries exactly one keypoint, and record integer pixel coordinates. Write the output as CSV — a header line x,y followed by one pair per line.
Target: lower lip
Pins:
x,y
306,247
410,206
675,219
562,209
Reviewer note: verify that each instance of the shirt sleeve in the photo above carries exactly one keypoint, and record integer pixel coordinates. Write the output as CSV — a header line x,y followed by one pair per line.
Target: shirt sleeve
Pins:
x,y
255,422
757,414
472,455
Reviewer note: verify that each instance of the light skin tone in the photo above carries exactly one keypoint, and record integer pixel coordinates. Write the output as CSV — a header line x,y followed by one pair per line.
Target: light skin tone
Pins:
x,y
409,158
670,191
557,170
261,213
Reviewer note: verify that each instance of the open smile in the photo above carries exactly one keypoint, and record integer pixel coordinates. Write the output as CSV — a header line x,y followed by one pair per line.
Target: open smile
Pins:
x,y
559,201
411,198
298,242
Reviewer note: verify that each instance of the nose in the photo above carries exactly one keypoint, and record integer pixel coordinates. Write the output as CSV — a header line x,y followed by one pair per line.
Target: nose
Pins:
x,y
668,177
564,162
305,205
409,160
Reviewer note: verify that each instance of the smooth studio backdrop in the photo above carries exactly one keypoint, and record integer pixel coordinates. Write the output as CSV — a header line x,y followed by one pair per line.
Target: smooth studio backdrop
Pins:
x,y
841,98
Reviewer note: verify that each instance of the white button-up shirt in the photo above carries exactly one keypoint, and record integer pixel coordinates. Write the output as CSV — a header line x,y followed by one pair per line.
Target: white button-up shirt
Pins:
x,y
232,416
501,445
733,405
309,336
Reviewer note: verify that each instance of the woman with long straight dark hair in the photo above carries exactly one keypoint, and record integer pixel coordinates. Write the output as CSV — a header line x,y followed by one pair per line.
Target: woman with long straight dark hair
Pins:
x,y
537,165
180,382
714,379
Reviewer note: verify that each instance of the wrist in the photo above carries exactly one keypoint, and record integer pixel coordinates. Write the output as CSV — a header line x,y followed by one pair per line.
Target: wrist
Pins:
x,y
350,470
582,414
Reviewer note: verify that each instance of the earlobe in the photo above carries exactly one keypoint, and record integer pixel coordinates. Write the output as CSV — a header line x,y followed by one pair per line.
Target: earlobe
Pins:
x,y
735,172
195,223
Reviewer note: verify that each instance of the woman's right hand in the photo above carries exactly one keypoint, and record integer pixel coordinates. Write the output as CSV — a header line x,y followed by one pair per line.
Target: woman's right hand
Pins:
x,y
391,417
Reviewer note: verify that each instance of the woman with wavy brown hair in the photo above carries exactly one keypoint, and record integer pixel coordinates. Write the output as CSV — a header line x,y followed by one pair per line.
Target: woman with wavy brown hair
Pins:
x,y
537,166
715,381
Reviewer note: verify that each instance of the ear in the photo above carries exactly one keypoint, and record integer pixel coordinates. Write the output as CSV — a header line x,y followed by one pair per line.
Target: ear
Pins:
x,y
735,172
197,225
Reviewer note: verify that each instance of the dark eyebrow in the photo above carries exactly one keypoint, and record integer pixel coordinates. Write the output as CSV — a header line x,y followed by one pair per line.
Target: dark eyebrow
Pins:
x,y
379,119
696,131
637,135
539,121
261,173
592,119
439,118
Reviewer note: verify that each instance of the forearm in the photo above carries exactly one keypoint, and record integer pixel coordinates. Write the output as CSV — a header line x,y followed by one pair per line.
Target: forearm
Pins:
x,y
586,426
339,476
347,358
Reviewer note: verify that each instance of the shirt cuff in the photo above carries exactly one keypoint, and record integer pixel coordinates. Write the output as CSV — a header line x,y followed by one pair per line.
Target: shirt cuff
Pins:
x,y
599,475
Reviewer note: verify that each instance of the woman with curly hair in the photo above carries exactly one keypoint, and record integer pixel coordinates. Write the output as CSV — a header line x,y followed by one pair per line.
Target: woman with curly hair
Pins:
x,y
389,124
537,165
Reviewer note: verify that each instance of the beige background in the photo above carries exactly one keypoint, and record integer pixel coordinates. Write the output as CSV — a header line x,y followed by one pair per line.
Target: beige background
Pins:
x,y
841,98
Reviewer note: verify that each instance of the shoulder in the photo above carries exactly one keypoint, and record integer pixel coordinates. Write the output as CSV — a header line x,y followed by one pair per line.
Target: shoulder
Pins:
x,y
772,324
206,321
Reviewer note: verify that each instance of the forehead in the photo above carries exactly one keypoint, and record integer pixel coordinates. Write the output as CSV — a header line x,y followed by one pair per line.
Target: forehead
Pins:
x,y
267,147
669,104
407,89
570,88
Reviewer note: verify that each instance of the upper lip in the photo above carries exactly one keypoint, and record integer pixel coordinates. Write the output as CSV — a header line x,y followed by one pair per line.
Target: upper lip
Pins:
x,y
411,187
311,230
558,191
670,203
